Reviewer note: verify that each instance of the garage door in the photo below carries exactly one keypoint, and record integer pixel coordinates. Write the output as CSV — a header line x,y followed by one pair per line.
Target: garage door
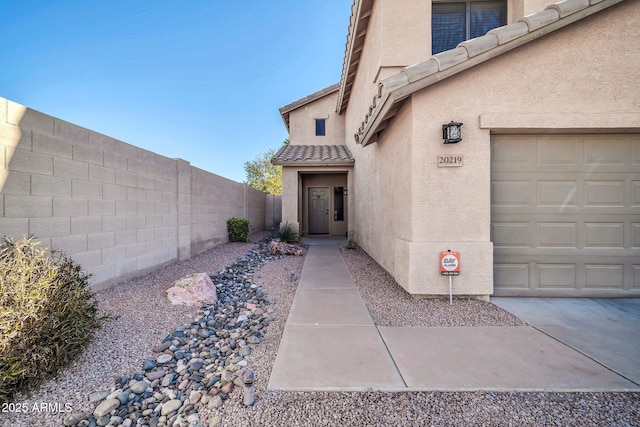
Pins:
x,y
565,215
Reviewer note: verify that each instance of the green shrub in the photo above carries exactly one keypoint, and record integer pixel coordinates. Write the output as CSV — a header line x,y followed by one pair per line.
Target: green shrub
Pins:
x,y
286,232
351,240
238,229
47,314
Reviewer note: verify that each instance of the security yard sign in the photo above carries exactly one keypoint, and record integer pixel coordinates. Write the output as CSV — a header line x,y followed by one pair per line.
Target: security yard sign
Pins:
x,y
450,266
449,263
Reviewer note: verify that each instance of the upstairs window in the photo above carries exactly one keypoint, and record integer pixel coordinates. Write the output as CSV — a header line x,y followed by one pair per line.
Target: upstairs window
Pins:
x,y
455,22
320,127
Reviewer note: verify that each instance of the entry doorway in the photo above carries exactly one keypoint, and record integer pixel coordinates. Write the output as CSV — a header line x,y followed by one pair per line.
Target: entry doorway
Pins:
x,y
318,210
323,204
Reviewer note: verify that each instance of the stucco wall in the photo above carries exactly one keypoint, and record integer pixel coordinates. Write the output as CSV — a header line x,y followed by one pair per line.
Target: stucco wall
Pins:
x,y
290,190
382,197
563,82
302,126
117,209
406,32
519,8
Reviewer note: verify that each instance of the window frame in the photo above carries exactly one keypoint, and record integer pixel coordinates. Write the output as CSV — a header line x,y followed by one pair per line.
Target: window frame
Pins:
x,y
467,16
321,126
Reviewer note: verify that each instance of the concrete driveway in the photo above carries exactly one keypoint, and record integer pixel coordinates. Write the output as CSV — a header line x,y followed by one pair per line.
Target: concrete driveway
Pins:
x,y
605,330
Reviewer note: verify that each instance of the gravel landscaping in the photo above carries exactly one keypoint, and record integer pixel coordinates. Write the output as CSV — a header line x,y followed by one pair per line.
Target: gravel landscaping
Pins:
x,y
143,317
390,305
277,408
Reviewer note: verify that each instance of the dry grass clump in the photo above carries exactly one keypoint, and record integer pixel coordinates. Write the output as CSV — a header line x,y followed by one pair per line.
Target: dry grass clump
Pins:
x,y
47,314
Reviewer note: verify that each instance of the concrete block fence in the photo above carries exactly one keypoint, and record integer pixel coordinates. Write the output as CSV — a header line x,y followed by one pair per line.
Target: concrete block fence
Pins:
x,y
117,209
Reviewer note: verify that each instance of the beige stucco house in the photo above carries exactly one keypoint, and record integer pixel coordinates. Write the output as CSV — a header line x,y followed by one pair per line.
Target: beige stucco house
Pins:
x,y
541,197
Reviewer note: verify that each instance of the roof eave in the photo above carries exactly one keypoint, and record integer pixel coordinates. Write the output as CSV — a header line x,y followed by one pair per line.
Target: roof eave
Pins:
x,y
366,137
301,163
360,14
395,89
285,118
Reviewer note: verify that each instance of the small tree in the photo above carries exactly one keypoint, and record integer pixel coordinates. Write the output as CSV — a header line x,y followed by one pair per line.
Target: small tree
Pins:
x,y
263,175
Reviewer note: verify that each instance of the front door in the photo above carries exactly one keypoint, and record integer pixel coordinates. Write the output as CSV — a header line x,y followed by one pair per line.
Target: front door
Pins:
x,y
318,210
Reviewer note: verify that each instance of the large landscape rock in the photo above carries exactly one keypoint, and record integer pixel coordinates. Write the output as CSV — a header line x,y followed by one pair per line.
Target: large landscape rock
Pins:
x,y
193,290
280,248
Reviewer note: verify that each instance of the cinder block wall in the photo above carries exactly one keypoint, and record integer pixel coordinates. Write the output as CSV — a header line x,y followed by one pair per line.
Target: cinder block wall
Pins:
x,y
117,209
255,208
273,210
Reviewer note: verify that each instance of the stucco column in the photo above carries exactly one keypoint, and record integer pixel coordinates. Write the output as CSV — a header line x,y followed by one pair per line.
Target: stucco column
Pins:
x,y
451,209
290,197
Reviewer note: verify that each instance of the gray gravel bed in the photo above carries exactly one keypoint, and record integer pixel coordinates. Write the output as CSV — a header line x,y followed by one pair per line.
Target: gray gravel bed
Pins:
x,y
275,279
276,408
437,409
390,305
141,317
141,311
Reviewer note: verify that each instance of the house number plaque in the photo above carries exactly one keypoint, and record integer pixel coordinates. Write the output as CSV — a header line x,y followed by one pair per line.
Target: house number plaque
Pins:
x,y
450,160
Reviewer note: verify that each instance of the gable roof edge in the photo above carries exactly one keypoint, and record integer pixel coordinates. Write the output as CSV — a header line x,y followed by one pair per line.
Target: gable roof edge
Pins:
x,y
356,34
393,90
284,111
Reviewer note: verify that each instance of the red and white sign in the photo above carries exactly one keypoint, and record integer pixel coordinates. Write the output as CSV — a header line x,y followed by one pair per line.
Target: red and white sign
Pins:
x,y
449,263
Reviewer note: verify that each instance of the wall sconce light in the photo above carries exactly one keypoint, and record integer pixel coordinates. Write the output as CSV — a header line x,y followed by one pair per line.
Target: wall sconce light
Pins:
x,y
345,191
451,132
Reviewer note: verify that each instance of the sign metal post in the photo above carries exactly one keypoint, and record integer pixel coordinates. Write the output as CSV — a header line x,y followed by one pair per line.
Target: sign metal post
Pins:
x,y
450,266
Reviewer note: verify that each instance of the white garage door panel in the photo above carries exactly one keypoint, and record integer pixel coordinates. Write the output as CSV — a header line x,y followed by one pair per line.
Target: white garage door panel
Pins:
x,y
566,215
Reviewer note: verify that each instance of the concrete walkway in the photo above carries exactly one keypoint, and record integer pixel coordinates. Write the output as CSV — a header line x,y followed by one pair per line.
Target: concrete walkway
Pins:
x,y
330,343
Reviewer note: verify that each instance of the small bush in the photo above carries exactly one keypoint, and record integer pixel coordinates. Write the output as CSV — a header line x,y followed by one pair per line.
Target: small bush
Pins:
x,y
47,314
351,240
286,233
238,229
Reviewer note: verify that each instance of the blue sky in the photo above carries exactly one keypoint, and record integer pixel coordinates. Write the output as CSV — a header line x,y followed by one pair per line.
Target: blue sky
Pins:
x,y
198,80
